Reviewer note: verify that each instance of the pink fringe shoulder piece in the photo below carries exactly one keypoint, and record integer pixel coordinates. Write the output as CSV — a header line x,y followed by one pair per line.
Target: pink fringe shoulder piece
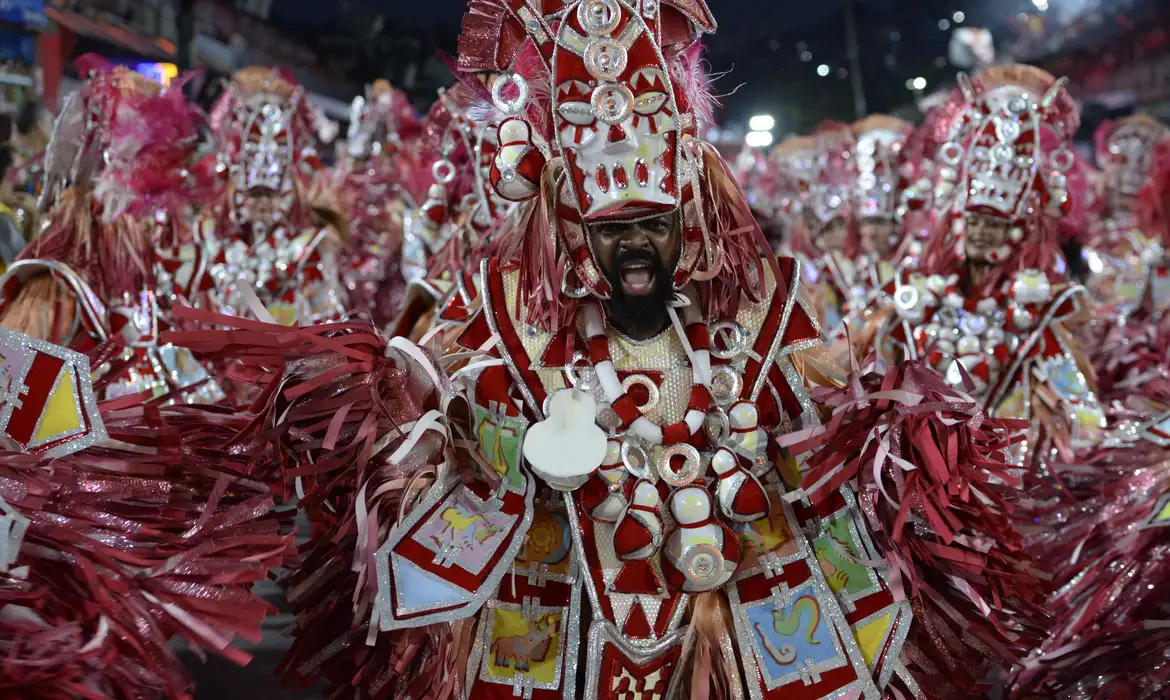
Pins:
x,y
934,483
152,535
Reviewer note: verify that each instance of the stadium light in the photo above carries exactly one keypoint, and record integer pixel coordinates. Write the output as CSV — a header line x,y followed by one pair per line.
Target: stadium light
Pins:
x,y
759,139
762,122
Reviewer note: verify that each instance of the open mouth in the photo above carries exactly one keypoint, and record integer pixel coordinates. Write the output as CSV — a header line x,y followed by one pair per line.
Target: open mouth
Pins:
x,y
638,278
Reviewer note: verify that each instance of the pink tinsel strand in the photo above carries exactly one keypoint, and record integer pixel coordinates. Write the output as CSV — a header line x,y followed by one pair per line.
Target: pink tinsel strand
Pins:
x,y
129,547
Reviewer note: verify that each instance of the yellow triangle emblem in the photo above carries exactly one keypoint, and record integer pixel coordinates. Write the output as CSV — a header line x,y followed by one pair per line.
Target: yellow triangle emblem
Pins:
x,y
61,415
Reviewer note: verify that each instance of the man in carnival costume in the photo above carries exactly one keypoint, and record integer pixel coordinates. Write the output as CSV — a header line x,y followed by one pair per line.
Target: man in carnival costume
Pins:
x,y
609,443
121,173
264,241
988,307
375,175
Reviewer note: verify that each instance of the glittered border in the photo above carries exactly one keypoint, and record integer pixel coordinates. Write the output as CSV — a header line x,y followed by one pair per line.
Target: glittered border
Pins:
x,y
85,403
494,326
752,657
473,601
778,338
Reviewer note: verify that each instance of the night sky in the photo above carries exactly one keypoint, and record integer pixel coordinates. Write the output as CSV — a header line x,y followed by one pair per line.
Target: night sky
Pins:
x,y
781,17
774,50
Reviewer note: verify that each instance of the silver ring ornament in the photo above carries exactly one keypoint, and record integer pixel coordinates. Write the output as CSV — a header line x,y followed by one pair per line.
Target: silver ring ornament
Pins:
x,y
651,390
951,154
605,59
703,566
510,107
736,340
635,459
689,471
577,380
444,171
726,385
906,298
1062,160
599,17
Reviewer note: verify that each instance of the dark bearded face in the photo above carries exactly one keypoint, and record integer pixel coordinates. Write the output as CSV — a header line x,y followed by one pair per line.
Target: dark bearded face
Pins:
x,y
638,259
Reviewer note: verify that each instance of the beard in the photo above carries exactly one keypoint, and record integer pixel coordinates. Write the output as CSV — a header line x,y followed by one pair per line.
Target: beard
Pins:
x,y
644,315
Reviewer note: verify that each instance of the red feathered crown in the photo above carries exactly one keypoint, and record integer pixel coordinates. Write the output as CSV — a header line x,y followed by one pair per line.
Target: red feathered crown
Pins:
x,y
135,141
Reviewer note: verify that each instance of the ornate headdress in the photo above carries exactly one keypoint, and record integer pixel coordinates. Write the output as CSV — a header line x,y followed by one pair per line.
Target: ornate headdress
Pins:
x,y
1125,151
1009,148
376,120
132,147
877,156
84,130
608,94
830,195
265,128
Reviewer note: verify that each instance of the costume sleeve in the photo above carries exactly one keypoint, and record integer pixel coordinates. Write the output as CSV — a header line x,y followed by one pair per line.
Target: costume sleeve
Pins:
x,y
932,478
356,428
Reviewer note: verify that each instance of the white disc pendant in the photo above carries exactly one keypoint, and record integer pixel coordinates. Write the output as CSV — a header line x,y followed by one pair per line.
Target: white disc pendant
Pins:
x,y
568,446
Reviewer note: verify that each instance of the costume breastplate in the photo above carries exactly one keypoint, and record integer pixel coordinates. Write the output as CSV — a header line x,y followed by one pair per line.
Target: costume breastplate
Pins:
x,y
808,615
288,275
998,348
